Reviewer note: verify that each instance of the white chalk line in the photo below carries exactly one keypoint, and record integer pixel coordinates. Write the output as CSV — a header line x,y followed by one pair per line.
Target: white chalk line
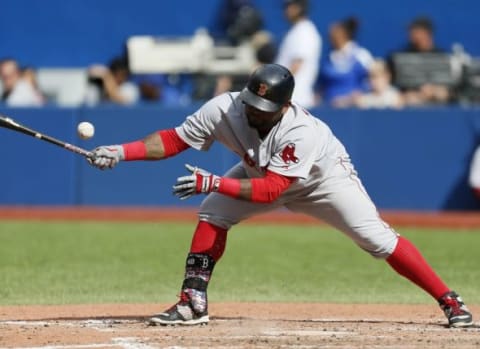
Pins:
x,y
122,342
105,325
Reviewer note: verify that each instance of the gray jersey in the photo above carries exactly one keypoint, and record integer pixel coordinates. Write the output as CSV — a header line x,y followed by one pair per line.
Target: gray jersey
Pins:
x,y
300,145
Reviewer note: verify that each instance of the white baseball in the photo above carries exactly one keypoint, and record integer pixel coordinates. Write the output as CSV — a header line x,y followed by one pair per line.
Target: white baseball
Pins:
x,y
85,130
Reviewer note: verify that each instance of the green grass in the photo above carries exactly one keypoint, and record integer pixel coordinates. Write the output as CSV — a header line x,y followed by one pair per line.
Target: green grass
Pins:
x,y
86,262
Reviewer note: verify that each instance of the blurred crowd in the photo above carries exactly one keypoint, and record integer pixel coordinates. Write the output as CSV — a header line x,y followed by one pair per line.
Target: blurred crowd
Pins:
x,y
342,74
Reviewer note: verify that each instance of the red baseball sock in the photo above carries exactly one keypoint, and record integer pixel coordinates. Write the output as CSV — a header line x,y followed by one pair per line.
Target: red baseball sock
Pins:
x,y
408,262
209,239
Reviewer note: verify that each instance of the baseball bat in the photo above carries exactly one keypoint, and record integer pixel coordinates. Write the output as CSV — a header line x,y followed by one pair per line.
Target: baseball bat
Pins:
x,y
11,124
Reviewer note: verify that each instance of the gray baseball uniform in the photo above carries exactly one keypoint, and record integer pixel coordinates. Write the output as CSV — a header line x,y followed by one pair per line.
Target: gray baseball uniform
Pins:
x,y
301,146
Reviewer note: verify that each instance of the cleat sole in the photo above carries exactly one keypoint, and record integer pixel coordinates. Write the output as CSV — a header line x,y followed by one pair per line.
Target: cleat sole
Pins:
x,y
154,321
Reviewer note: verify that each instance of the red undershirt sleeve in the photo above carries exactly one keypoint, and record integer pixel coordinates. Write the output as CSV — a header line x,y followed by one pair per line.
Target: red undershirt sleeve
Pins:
x,y
172,142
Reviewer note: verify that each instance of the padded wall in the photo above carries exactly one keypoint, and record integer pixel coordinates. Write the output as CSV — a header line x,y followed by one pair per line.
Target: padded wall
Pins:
x,y
415,159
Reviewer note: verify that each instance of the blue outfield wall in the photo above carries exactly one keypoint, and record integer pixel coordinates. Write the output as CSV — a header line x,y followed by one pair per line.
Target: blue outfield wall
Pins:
x,y
411,160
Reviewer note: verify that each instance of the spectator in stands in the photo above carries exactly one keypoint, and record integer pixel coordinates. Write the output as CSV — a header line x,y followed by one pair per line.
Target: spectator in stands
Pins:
x,y
167,89
29,74
265,48
420,37
345,71
236,21
265,53
111,84
17,91
381,93
474,175
300,51
421,41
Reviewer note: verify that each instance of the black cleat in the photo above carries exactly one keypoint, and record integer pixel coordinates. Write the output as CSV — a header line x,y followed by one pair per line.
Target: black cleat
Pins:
x,y
455,310
184,313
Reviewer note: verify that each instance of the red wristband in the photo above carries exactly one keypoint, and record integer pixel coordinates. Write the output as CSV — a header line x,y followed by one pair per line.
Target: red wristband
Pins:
x,y
229,187
135,151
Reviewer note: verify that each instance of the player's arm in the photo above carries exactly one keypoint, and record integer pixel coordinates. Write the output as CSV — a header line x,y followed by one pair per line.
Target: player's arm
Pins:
x,y
262,190
156,146
196,132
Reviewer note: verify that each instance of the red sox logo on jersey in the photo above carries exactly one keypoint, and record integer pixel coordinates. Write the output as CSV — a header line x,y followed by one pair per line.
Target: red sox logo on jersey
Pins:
x,y
288,154
262,89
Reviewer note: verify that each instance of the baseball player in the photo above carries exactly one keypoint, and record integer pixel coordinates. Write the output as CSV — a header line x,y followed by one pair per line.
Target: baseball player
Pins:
x,y
289,158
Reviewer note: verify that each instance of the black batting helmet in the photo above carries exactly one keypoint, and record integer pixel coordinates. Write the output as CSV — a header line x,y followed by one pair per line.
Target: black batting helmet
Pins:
x,y
268,88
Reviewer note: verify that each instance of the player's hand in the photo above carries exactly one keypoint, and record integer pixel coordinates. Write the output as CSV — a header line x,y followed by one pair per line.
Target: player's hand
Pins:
x,y
106,156
200,181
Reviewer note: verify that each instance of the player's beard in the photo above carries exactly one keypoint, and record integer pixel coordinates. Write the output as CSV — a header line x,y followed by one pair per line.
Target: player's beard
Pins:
x,y
261,121
262,127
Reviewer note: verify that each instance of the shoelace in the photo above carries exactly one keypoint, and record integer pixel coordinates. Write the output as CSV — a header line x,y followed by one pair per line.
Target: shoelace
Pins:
x,y
183,299
454,305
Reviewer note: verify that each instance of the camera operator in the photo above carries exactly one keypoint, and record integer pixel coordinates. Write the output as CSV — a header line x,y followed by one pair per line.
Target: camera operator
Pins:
x,y
111,84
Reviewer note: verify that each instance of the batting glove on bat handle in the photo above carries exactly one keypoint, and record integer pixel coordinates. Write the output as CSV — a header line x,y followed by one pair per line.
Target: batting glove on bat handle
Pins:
x,y
200,181
106,156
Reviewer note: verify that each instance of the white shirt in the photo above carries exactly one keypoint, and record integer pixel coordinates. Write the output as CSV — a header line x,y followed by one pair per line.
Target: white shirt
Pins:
x,y
129,92
23,95
302,42
474,175
300,145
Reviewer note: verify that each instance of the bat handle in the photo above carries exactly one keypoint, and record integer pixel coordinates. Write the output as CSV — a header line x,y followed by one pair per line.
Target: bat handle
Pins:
x,y
78,150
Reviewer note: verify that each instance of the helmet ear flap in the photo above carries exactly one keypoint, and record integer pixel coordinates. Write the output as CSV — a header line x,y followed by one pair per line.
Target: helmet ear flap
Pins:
x,y
269,88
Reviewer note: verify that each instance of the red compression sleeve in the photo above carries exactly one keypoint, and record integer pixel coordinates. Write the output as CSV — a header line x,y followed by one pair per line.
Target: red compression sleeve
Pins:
x,y
408,262
269,188
209,239
172,143
264,190
134,151
229,186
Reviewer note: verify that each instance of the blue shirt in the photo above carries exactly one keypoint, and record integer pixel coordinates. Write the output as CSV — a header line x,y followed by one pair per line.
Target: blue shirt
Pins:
x,y
345,71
